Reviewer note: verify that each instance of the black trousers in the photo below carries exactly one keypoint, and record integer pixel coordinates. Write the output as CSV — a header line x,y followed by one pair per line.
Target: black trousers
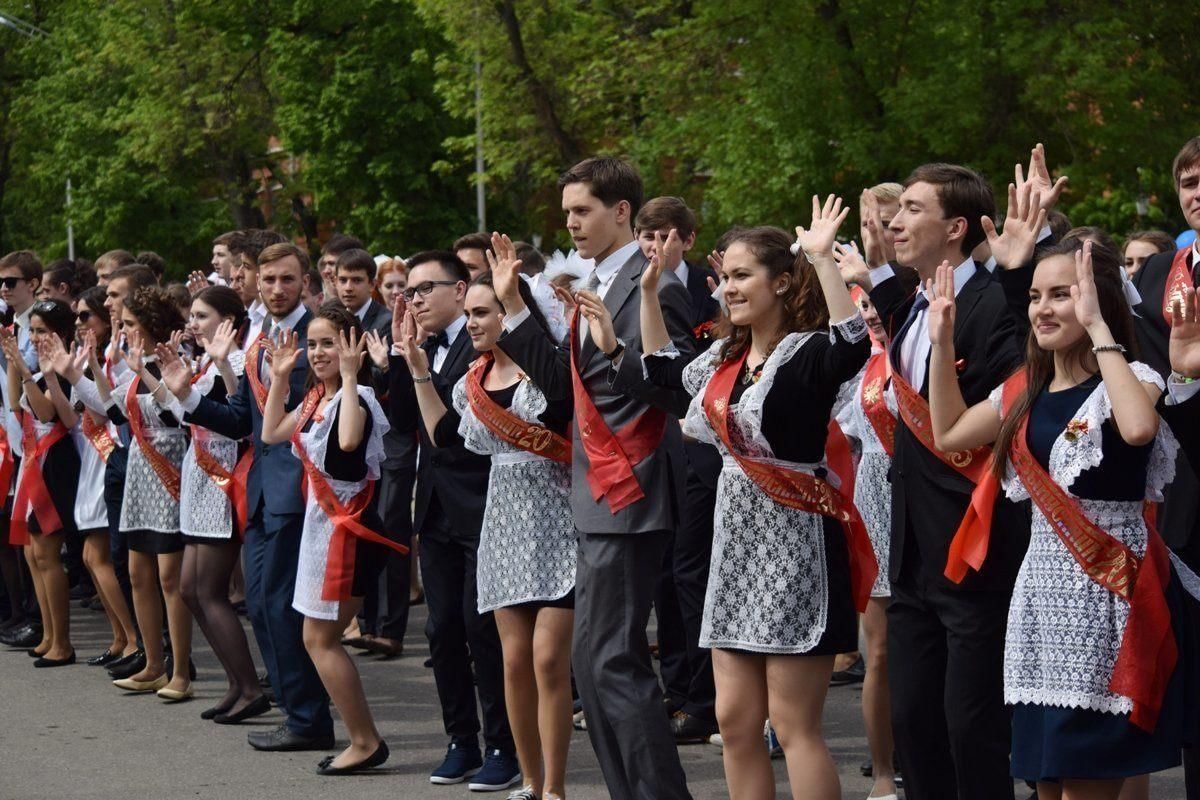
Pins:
x,y
945,665
672,637
385,606
459,634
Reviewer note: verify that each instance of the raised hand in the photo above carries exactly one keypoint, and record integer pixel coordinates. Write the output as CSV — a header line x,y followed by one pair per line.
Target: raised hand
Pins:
x,y
1184,344
12,352
876,248
567,299
852,266
1087,299
283,354
137,348
716,260
399,314
599,320
668,252
817,240
941,307
57,358
410,348
1023,221
1048,190
377,349
351,352
196,282
45,362
175,372
222,343
506,271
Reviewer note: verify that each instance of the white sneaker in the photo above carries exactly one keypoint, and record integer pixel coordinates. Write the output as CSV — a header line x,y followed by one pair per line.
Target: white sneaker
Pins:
x,y
716,740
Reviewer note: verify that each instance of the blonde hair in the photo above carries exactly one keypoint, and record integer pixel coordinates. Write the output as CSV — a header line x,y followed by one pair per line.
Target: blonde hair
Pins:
x,y
887,192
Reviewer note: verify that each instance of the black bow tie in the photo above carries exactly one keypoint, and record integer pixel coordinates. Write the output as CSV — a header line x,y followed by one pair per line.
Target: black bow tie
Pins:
x,y
436,340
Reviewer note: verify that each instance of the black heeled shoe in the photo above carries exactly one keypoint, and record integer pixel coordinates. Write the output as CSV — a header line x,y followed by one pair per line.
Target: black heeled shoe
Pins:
x,y
55,662
255,708
104,659
374,760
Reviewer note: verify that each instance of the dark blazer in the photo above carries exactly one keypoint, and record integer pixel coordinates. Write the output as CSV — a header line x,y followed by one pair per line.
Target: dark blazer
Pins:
x,y
458,476
1152,329
377,318
929,498
239,417
704,308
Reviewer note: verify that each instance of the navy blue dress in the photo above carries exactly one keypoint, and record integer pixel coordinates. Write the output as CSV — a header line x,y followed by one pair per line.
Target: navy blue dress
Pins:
x,y
1050,743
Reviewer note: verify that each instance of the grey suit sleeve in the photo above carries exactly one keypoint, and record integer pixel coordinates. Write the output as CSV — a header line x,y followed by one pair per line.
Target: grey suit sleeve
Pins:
x,y
629,376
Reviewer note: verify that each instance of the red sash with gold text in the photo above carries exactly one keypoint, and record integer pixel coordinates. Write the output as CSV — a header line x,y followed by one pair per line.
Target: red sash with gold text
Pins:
x,y
793,488
32,489
339,566
873,397
98,436
1178,279
256,385
612,457
168,473
234,483
1148,653
507,426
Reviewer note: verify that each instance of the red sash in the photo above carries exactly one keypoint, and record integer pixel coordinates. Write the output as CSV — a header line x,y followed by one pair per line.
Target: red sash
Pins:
x,y
793,488
32,489
612,457
1178,279
1148,654
873,397
234,483
7,461
256,385
971,464
507,426
168,473
339,566
97,434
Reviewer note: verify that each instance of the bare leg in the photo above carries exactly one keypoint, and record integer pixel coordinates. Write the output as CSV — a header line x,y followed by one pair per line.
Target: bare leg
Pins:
x,y
876,699
796,689
552,667
147,606
46,549
741,681
1075,789
323,641
179,619
1049,791
516,627
39,591
99,563
1136,788
213,564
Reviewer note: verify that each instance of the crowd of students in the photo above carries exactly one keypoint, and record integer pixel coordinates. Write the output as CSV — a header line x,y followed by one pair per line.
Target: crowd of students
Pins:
x,y
944,439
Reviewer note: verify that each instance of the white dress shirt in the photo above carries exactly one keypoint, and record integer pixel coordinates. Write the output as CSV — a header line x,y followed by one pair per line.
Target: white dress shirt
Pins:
x,y
452,331
256,313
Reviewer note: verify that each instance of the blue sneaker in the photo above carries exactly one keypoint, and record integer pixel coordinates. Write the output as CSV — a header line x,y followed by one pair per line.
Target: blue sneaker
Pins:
x,y
462,761
774,749
500,771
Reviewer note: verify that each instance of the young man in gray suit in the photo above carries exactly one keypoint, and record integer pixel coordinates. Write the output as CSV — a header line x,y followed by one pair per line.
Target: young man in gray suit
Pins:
x,y
627,481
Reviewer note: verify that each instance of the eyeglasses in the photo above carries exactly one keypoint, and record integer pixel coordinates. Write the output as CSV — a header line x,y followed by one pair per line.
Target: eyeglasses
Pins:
x,y
10,283
84,316
425,288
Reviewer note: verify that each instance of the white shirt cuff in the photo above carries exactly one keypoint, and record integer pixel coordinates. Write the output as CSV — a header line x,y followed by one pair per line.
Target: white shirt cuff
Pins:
x,y
511,321
1044,233
881,274
191,402
1179,393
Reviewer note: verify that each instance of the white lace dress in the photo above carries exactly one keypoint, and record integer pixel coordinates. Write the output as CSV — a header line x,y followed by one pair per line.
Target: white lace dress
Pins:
x,y
205,510
318,530
146,503
768,587
527,543
872,487
1064,630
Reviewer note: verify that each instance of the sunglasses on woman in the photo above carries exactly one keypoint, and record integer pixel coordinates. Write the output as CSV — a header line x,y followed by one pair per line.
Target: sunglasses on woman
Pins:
x,y
83,316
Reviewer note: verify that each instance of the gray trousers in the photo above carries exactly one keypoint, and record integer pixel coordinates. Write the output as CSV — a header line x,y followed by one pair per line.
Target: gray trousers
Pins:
x,y
626,721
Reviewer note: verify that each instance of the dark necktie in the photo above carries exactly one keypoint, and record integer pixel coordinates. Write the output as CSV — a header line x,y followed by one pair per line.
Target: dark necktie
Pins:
x,y
920,303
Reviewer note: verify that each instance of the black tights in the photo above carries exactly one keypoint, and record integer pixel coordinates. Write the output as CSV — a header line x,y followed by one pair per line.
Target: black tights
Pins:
x,y
10,573
206,571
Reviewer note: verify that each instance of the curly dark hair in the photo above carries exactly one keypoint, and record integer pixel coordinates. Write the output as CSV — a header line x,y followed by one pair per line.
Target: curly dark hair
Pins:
x,y
346,322
156,311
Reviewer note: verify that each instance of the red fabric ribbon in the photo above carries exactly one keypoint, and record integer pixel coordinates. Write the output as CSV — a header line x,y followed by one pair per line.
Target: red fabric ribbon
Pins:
x,y
612,457
32,489
1178,279
873,396
168,473
507,426
793,488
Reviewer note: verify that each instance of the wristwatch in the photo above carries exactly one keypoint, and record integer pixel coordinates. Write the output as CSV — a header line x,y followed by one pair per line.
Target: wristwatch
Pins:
x,y
616,351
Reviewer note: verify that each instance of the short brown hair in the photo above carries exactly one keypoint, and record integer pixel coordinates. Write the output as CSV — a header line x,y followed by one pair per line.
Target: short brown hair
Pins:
x,y
1186,160
227,238
610,179
340,243
280,251
114,258
473,241
664,213
137,275
356,260
24,260
962,192
1163,241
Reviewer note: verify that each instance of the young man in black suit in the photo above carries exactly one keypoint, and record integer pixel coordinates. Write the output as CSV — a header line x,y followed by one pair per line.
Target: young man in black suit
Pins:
x,y
946,641
451,491
679,597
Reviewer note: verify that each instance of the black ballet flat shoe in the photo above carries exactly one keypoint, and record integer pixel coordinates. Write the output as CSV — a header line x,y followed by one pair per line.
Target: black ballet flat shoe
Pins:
x,y
104,659
253,709
44,662
33,653
374,760
127,667
210,713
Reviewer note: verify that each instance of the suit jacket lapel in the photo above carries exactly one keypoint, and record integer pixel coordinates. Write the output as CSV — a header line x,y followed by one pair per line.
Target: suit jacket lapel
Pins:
x,y
623,284
455,352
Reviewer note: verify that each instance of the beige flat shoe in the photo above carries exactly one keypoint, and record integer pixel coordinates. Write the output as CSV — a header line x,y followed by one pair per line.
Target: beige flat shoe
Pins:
x,y
141,687
176,696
